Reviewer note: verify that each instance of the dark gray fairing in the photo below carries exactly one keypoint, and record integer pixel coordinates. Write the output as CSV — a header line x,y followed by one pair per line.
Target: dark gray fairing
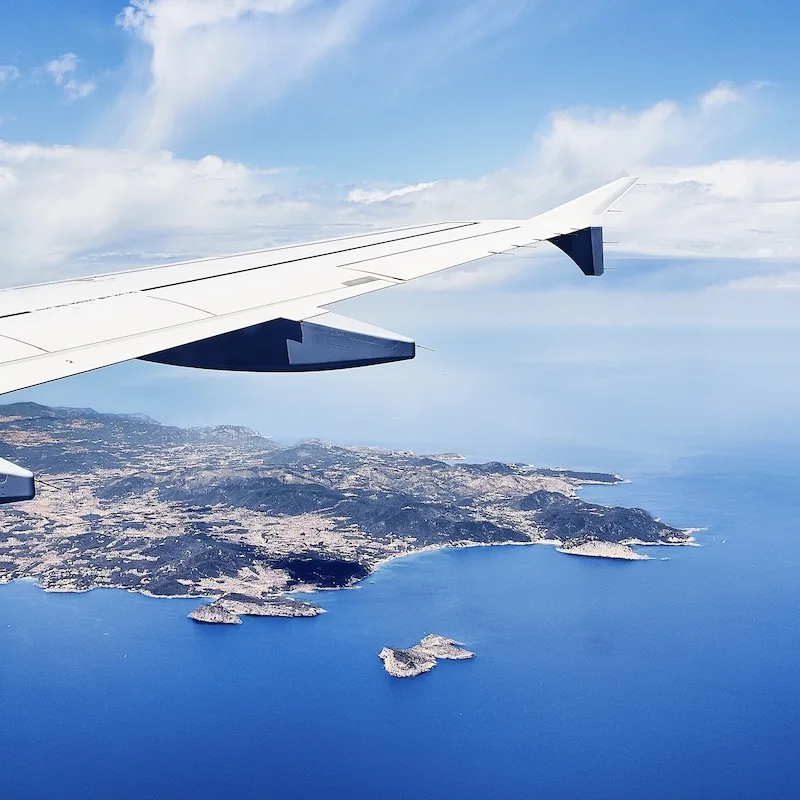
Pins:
x,y
284,345
584,247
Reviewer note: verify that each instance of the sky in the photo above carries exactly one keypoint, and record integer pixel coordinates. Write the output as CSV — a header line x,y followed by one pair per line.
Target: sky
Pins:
x,y
170,129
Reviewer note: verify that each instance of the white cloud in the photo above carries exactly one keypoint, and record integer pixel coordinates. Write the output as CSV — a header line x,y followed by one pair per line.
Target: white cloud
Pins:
x,y
148,15
8,73
62,70
219,60
722,94
368,196
75,90
61,67
778,282
595,304
59,205
691,205
226,56
62,205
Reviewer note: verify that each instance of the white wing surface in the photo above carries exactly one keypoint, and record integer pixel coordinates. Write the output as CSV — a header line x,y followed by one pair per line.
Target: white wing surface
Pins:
x,y
266,310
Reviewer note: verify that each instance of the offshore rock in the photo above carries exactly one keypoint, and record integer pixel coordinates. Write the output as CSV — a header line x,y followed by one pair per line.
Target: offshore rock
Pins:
x,y
406,663
412,661
440,647
603,550
267,606
228,610
214,614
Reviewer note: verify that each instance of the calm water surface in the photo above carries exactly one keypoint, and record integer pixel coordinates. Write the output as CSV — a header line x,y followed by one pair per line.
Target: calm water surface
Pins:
x,y
675,678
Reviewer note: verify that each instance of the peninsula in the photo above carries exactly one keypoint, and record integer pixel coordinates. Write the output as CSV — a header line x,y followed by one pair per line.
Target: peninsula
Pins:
x,y
228,515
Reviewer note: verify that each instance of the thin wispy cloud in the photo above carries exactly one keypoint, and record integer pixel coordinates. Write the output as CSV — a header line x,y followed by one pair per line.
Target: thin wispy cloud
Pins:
x,y
212,60
368,196
218,57
785,281
436,33
8,73
62,70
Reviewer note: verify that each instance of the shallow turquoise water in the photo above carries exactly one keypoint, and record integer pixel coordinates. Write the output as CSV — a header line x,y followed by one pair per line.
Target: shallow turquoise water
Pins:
x,y
601,679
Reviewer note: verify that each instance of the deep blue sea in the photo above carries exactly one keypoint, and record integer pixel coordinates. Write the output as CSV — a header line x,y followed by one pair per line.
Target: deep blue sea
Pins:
x,y
675,678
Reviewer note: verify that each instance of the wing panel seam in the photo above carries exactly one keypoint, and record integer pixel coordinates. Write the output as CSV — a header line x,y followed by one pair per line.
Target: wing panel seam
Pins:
x,y
350,264
22,341
176,302
309,258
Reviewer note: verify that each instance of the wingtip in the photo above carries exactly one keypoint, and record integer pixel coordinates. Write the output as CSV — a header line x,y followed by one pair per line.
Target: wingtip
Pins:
x,y
589,208
578,224
627,183
614,191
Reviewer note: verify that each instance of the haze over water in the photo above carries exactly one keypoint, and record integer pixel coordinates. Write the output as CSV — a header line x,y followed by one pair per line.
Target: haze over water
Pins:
x,y
665,679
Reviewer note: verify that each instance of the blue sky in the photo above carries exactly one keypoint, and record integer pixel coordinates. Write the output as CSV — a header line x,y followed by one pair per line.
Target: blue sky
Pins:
x,y
404,100
188,127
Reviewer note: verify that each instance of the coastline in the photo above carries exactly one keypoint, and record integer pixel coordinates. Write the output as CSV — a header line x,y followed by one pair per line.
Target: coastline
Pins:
x,y
255,532
378,565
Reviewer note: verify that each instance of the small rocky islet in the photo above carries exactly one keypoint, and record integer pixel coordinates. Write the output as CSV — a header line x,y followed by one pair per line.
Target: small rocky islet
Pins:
x,y
408,662
229,610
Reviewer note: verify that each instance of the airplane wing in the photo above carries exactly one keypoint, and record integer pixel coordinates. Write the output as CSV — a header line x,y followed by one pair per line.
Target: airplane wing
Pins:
x,y
263,311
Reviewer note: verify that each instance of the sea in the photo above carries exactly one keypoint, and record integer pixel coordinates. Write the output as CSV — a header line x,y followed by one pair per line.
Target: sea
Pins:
x,y
677,677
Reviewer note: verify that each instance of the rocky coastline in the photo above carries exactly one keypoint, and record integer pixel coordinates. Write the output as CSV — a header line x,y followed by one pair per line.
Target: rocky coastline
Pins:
x,y
228,515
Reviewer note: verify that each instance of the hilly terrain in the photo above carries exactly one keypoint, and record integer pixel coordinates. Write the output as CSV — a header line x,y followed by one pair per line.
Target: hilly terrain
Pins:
x,y
223,512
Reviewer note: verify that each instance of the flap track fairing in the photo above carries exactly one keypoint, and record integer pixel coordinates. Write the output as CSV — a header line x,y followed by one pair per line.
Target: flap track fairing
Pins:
x,y
327,341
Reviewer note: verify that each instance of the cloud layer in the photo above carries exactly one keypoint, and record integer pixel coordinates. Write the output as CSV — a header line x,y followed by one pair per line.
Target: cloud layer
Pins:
x,y
62,205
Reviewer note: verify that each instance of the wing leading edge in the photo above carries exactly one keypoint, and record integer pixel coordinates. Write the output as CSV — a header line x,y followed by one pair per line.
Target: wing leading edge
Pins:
x,y
265,311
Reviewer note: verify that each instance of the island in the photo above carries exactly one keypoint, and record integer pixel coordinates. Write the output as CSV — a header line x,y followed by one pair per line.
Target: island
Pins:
x,y
230,608
226,515
597,549
423,657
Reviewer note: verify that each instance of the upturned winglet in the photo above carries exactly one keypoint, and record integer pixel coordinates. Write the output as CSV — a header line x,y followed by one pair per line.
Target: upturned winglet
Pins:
x,y
576,227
